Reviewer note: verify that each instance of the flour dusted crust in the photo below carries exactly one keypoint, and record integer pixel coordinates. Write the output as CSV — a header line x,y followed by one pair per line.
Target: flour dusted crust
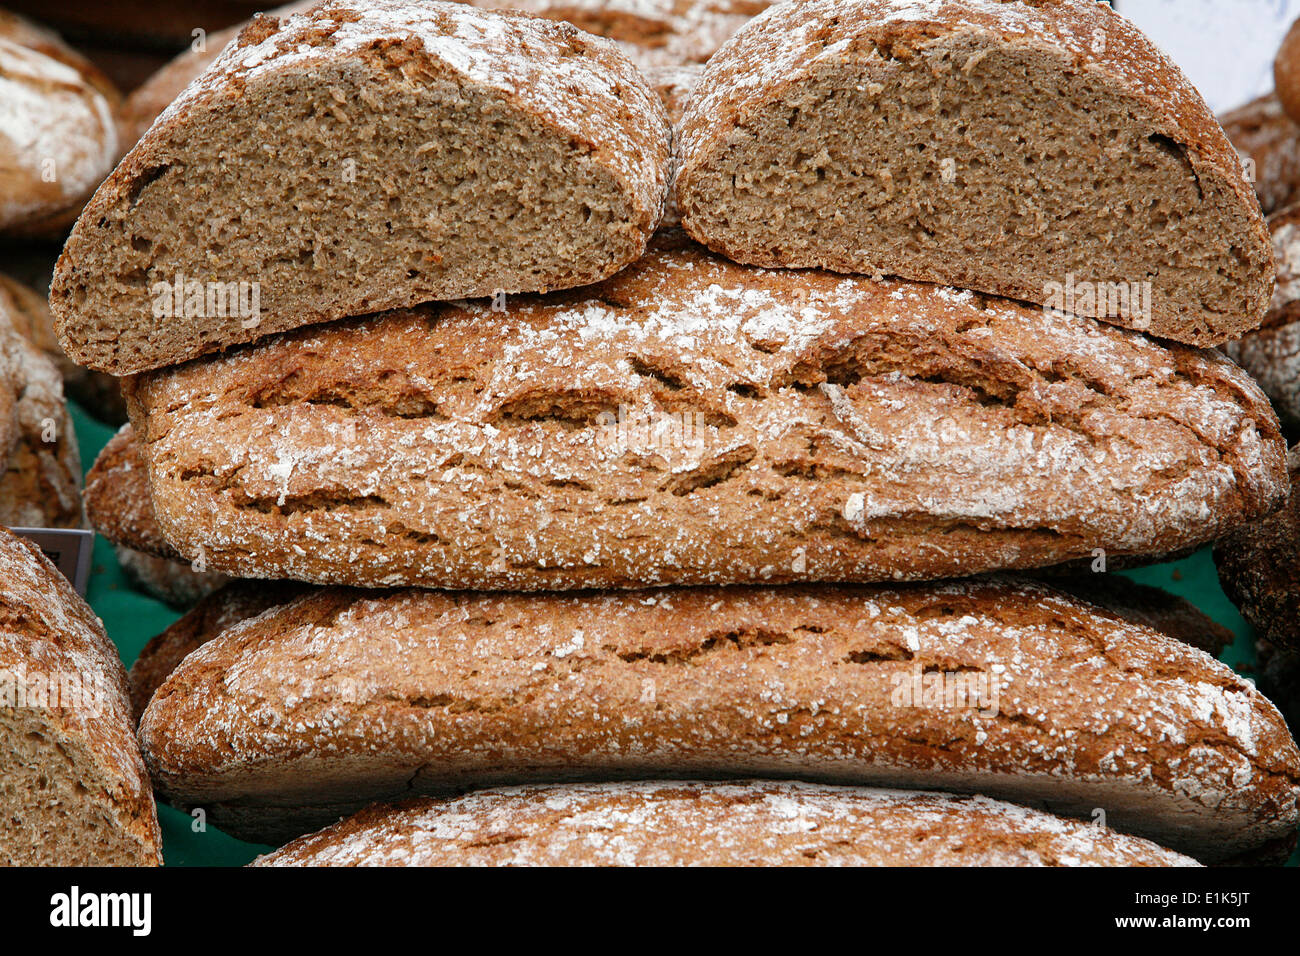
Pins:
x,y
95,805
653,33
57,117
757,823
1268,140
807,427
1259,567
310,711
118,502
40,486
590,186
757,187
1272,354
224,607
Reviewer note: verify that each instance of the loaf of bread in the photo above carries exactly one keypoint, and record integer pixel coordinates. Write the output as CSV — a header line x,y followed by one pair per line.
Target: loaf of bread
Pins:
x,y
420,151
1272,354
755,823
97,393
1269,145
75,791
1012,689
40,486
214,613
1081,171
1259,567
58,138
1286,72
694,421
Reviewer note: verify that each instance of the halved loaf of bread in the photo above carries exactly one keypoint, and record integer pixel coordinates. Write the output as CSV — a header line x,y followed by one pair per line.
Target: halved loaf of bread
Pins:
x,y
1041,150
1008,688
756,823
694,421
363,157
73,789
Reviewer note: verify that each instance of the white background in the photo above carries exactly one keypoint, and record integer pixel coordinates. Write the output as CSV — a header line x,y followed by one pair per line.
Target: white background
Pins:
x,y
1226,47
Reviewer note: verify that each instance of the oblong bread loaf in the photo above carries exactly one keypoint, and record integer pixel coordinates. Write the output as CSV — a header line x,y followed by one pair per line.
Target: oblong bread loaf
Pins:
x,y
757,823
307,712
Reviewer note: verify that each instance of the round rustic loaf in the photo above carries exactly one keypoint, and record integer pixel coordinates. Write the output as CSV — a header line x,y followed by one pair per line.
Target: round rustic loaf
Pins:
x,y
1042,150
1268,143
755,823
75,791
1272,353
1012,689
1286,72
420,151
58,137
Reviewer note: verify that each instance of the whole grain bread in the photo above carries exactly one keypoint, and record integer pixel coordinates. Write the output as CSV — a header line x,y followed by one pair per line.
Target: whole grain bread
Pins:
x,y
1147,606
1269,144
73,789
1272,354
97,393
694,421
1286,72
118,502
214,613
1042,150
40,486
1259,567
309,711
419,151
58,138
757,823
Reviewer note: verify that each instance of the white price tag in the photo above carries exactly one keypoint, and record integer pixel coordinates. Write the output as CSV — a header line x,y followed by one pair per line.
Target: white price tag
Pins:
x,y
1226,47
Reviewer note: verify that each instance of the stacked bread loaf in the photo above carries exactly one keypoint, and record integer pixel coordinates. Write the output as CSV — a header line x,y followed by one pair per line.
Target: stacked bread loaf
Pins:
x,y
530,496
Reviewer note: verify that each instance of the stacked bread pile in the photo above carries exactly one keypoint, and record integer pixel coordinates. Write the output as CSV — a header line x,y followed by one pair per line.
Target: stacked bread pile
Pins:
x,y
756,500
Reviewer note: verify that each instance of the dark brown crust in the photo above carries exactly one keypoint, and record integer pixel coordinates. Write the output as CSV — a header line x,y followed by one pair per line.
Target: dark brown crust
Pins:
x,y
1259,567
434,692
1286,72
1265,136
117,499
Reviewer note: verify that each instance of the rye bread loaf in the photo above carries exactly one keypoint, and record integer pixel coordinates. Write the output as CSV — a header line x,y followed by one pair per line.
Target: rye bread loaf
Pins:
x,y
73,790
97,393
119,508
1269,145
240,600
419,151
1286,72
312,710
1043,150
58,138
1259,566
214,613
40,486
756,823
1272,354
694,421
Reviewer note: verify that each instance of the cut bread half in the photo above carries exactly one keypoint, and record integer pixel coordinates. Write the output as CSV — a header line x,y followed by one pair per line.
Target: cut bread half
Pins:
x,y
73,790
1046,151
359,157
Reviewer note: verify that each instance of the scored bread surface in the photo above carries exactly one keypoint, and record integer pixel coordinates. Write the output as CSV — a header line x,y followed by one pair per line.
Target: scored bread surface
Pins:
x,y
309,711
758,823
635,433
